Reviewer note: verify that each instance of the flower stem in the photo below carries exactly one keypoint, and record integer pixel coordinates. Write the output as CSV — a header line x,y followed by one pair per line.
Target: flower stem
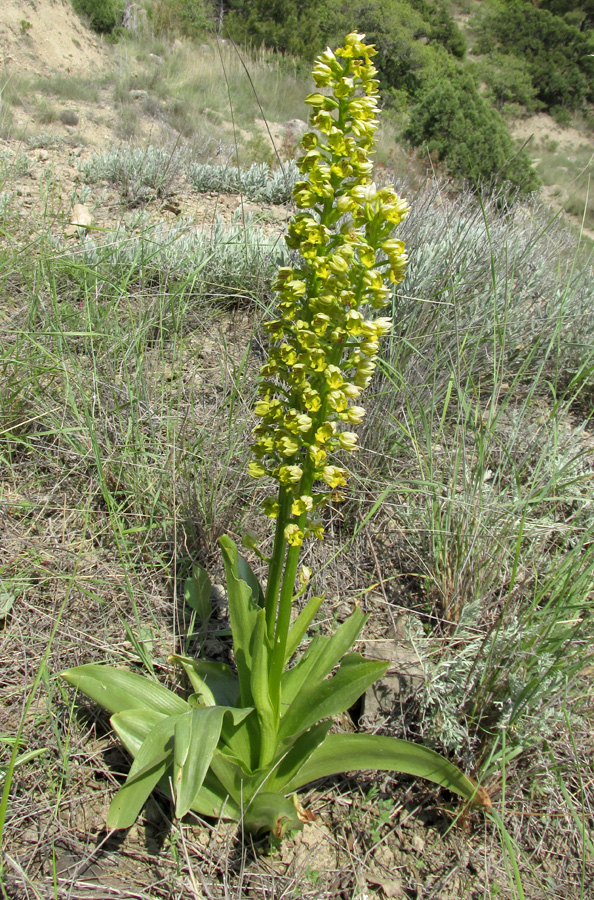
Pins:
x,y
283,622
275,568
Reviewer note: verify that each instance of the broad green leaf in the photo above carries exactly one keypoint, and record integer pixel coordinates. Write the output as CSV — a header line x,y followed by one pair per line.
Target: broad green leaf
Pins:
x,y
213,681
132,726
152,761
300,625
291,762
129,800
361,752
243,614
245,573
119,689
321,657
197,590
260,691
196,737
318,701
213,800
301,673
243,741
237,783
271,812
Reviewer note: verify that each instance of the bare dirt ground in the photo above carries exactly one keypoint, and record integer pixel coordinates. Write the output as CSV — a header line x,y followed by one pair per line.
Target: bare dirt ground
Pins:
x,y
541,131
542,126
39,36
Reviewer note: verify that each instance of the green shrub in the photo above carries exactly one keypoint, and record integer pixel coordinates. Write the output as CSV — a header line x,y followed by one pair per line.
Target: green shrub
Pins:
x,y
456,124
508,81
103,15
558,56
443,29
188,17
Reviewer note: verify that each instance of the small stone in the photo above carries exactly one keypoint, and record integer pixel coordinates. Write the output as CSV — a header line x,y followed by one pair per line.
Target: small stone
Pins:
x,y
342,612
417,843
218,594
172,205
81,216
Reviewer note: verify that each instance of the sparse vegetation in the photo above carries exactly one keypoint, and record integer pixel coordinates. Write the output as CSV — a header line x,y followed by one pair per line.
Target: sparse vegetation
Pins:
x,y
257,183
67,87
140,172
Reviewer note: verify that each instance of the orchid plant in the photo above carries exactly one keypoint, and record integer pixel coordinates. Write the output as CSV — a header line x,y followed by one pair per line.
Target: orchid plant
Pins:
x,y
248,737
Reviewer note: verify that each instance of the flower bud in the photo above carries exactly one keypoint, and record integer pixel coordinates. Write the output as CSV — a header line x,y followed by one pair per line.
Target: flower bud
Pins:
x,y
347,440
256,470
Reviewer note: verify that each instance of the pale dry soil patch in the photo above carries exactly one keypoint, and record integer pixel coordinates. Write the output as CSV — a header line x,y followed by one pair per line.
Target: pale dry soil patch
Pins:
x,y
52,37
540,130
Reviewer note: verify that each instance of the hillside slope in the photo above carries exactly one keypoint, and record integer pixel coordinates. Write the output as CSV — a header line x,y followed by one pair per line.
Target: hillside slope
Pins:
x,y
46,34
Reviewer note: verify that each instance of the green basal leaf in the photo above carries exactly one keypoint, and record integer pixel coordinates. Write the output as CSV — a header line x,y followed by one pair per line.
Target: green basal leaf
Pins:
x,y
132,727
302,672
301,624
197,590
246,574
271,812
361,752
243,741
322,655
318,701
119,689
243,613
291,760
213,800
151,762
214,682
260,691
239,784
196,737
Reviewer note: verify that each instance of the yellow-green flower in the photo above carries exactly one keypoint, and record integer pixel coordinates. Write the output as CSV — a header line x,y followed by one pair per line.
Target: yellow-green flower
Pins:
x,y
293,534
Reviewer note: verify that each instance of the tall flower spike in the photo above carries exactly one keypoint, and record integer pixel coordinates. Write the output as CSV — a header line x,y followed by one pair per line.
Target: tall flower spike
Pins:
x,y
324,341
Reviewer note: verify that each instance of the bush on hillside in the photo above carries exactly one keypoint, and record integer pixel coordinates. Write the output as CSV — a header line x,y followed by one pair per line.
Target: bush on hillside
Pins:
x,y
457,125
557,55
304,27
577,12
444,29
508,81
188,17
103,15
